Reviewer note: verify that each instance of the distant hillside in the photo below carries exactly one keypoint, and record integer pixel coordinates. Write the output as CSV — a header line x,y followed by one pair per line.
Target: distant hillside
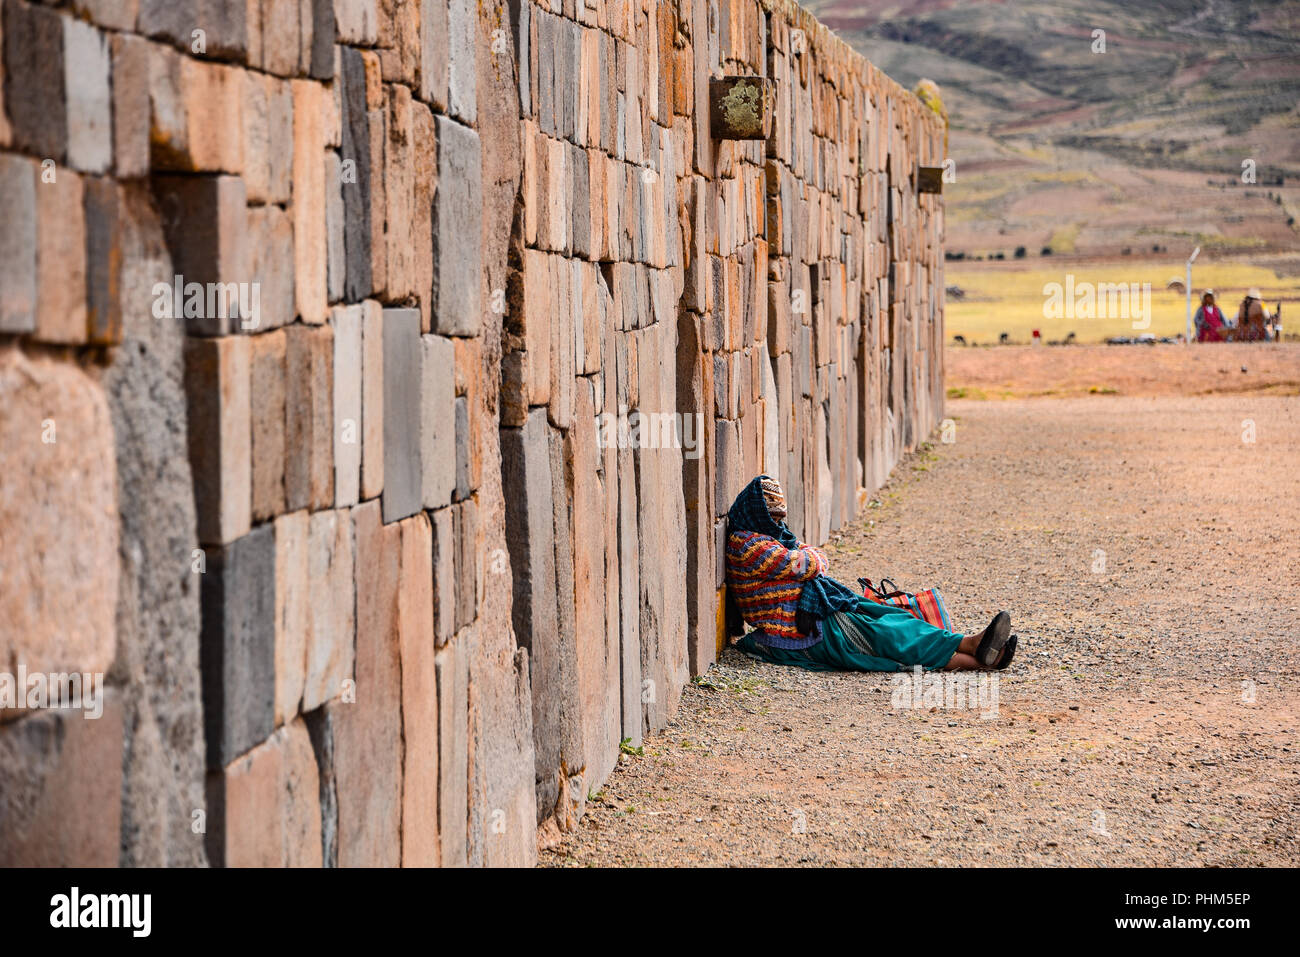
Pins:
x,y
1138,148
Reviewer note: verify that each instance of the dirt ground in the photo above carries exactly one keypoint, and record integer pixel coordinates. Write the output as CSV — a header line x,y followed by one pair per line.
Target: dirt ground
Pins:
x,y
1148,551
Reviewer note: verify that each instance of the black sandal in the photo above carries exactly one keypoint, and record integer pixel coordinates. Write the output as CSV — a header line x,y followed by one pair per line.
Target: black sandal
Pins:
x,y
994,640
1008,653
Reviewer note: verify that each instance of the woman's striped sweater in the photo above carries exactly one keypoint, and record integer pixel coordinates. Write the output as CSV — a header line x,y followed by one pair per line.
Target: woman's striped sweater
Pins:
x,y
766,579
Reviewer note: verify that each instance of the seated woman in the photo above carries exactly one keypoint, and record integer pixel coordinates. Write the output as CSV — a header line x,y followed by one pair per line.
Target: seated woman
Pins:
x,y
803,617
1209,319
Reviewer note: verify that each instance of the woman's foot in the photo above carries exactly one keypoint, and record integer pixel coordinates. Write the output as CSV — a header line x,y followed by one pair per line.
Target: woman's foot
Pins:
x,y
993,640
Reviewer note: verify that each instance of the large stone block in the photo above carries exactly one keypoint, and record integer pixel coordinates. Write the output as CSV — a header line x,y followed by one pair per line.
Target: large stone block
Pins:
x,y
205,221
104,258
61,259
331,647
61,788
293,611
372,399
457,222
335,251
444,574
403,365
399,188
420,782
130,105
357,21
468,559
435,55
217,382
18,227
309,418
462,79
356,176
34,79
308,206
267,366
437,421
237,645
453,754
270,266
264,809
347,404
368,733
88,93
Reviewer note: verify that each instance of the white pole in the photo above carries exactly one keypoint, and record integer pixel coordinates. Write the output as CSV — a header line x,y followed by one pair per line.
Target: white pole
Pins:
x,y
1190,259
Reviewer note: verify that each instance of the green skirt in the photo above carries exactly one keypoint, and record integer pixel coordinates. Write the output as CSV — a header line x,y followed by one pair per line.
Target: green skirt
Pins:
x,y
873,638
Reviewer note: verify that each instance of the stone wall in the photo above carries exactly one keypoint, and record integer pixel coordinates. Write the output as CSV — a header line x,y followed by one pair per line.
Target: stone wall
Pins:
x,y
383,558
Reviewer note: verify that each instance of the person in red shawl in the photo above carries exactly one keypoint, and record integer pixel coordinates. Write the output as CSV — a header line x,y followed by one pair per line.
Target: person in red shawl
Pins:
x,y
1209,319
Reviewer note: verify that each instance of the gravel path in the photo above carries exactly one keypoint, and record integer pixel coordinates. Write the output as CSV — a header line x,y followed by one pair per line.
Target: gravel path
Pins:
x,y
1149,556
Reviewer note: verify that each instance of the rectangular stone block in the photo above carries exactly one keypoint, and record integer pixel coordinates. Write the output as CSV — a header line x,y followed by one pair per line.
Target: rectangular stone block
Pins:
x,y
425,158
368,732
444,574
88,93
403,364
104,257
205,222
217,380
464,486
61,788
335,253
293,611
130,105
437,421
237,645
453,754
18,229
282,37
34,77
280,142
462,77
264,809
211,103
435,55
420,781
357,21
308,207
468,559
356,184
347,404
270,267
372,399
309,418
399,188
267,364
457,222
331,645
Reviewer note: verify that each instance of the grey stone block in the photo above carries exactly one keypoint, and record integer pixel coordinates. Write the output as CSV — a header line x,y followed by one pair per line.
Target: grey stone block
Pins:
x,y
323,33
335,254
403,362
444,574
434,54
463,489
34,79
87,89
17,244
467,563
453,754
437,421
237,645
462,79
355,177
457,223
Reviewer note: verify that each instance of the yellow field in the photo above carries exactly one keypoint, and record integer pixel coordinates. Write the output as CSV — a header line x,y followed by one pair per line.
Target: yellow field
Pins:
x,y
1009,297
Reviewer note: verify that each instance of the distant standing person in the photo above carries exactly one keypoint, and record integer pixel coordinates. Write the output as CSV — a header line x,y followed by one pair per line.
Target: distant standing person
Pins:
x,y
1209,319
1252,318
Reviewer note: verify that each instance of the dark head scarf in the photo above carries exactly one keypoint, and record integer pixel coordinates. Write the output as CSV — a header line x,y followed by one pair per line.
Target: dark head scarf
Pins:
x,y
820,597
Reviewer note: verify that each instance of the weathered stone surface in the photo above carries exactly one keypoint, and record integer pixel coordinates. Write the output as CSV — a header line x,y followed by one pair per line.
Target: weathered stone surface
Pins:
x,y
444,574
335,253
356,176
372,399
264,808
18,225
437,421
399,188
61,788
103,262
453,754
309,417
217,381
462,81
468,562
356,21
130,105
270,266
457,214
88,93
308,208
60,260
238,645
435,55
267,367
205,220
331,647
368,733
420,782
293,611
34,76
347,404
403,390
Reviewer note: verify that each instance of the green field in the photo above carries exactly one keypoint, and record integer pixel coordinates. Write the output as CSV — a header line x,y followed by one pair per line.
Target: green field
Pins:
x,y
1010,297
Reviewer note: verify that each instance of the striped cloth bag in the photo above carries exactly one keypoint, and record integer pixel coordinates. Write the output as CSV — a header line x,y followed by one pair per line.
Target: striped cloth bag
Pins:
x,y
926,605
